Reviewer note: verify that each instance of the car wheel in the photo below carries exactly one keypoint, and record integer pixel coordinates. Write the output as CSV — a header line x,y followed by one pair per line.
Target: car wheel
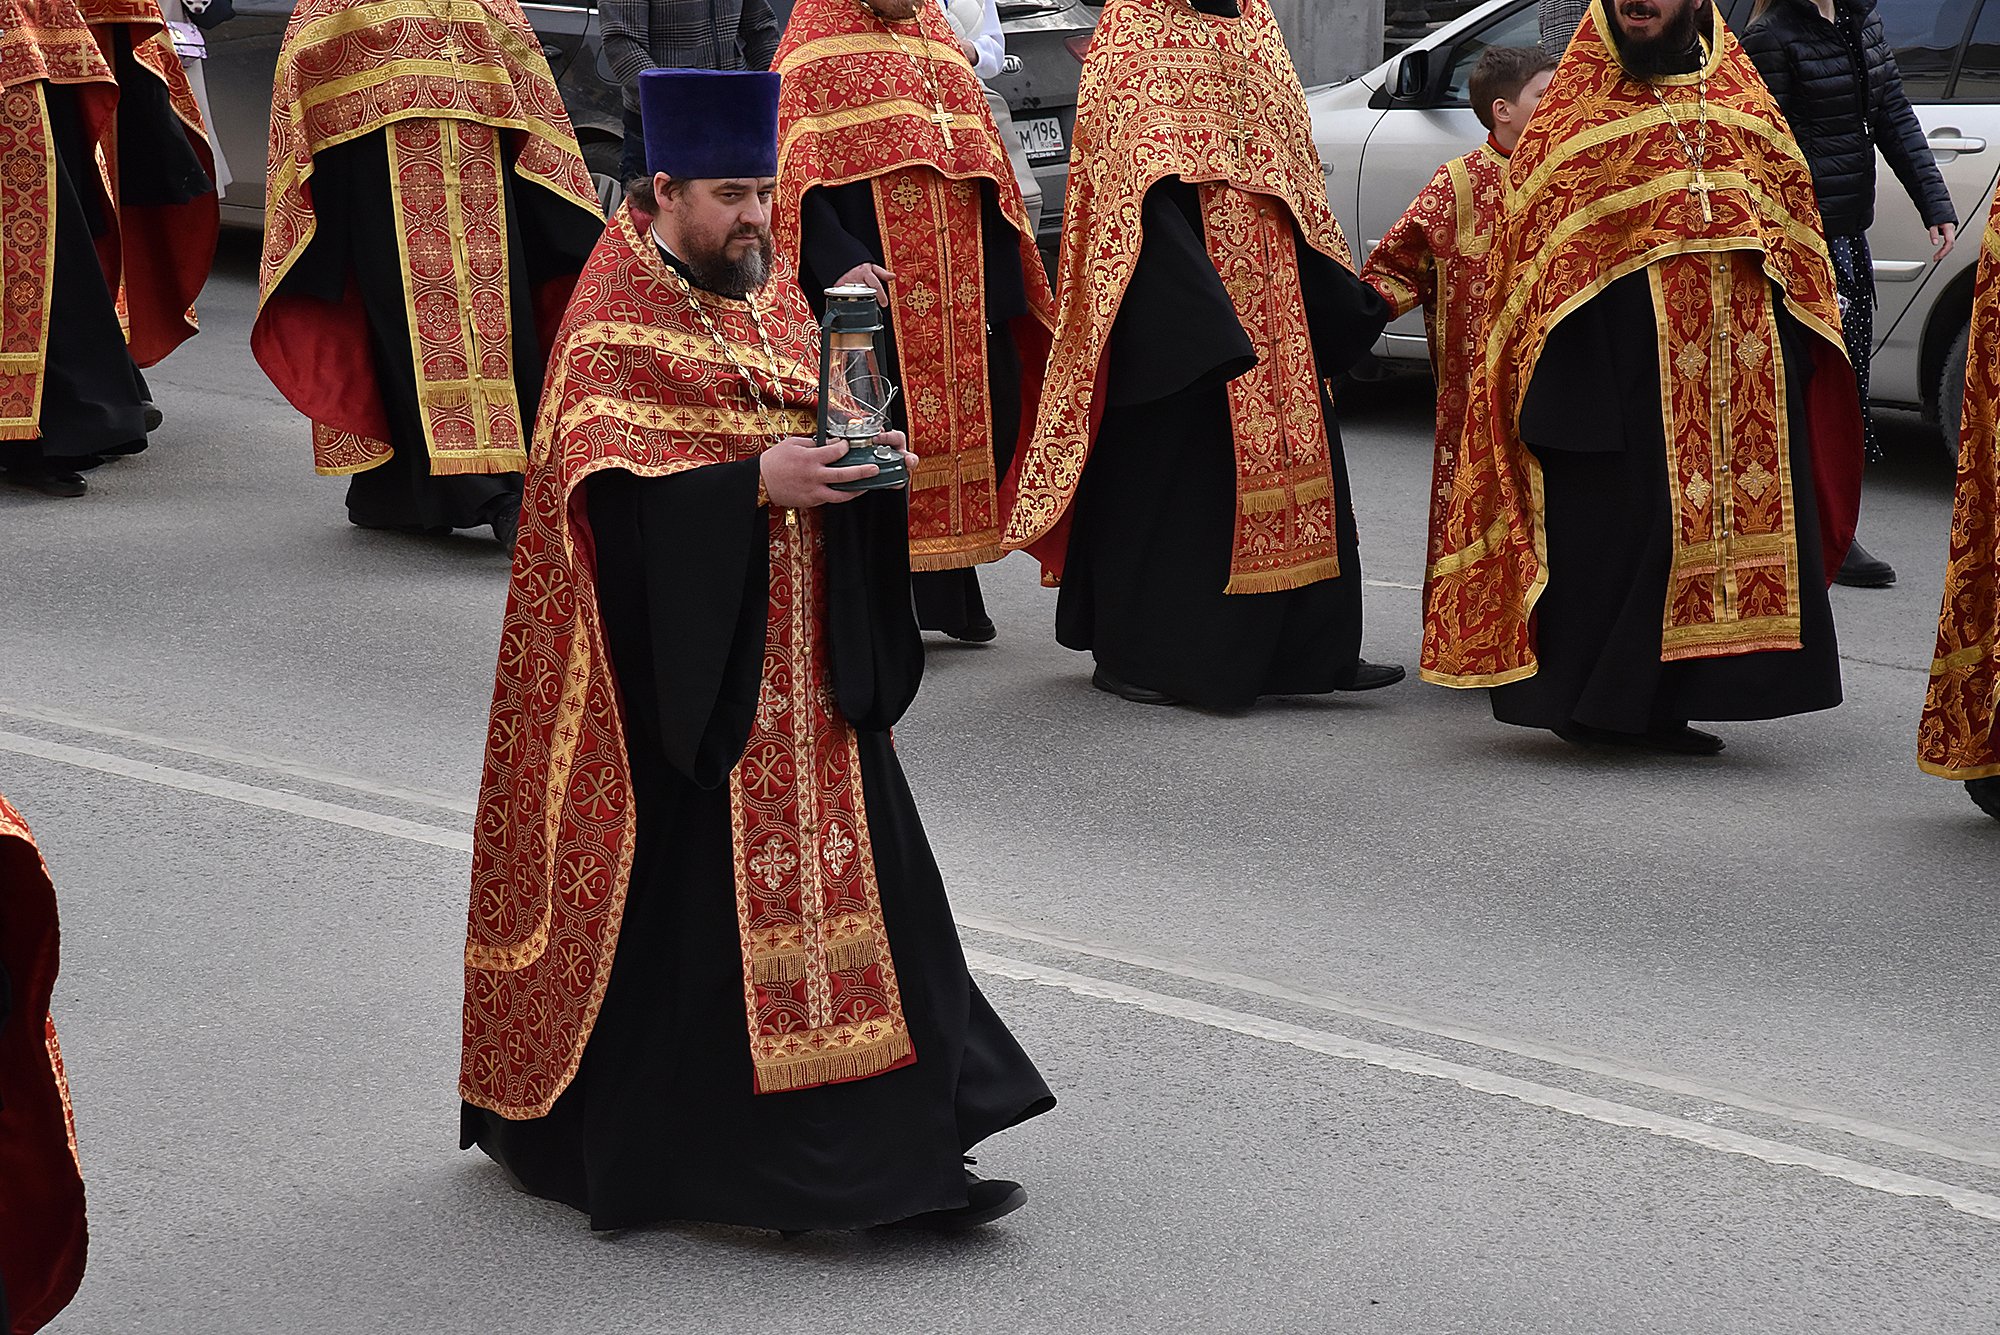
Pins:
x,y
1951,390
1985,794
602,156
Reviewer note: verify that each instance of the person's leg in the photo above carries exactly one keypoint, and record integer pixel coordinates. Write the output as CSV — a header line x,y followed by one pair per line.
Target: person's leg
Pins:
x,y
1854,277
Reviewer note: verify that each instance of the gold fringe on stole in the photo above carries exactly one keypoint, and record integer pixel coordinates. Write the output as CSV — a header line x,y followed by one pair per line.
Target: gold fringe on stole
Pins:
x,y
786,966
1278,581
776,1075
921,562
1265,502
1313,489
857,952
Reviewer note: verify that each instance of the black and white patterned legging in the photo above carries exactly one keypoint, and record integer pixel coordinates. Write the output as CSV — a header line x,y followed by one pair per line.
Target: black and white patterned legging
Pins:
x,y
1854,279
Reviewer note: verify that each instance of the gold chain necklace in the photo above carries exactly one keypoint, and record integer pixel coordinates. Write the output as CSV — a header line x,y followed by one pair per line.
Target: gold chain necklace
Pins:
x,y
939,117
757,399
1695,151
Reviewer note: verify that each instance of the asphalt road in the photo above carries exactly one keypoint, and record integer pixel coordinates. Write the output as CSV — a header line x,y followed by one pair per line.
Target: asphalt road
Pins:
x,y
1365,1014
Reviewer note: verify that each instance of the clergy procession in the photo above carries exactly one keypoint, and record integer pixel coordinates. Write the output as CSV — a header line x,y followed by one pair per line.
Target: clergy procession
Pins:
x,y
758,427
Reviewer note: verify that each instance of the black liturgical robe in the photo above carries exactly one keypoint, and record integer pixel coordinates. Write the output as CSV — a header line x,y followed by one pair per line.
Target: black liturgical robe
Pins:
x,y
1149,553
661,1121
1592,417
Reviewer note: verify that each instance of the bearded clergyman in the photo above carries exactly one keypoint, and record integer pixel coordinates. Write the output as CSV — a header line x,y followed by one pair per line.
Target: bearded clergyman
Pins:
x,y
1185,484
891,174
1661,469
711,972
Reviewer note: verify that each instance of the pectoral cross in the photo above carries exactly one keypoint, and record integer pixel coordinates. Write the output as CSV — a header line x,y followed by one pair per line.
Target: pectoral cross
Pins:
x,y
944,120
452,50
1700,186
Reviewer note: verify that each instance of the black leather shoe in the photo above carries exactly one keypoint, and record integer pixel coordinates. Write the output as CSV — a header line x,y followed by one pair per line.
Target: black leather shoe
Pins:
x,y
153,416
1678,740
65,485
1368,676
985,1201
1125,690
1985,794
979,632
1860,570
507,529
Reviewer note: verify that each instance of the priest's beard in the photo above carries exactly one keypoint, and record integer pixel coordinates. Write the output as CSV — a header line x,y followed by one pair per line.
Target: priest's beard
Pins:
x,y
715,270
1649,58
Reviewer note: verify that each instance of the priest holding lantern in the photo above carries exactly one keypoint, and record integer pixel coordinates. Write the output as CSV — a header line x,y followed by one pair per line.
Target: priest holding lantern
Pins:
x,y
711,973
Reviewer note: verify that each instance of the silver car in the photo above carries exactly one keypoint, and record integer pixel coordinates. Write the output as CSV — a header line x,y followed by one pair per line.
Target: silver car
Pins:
x,y
1384,134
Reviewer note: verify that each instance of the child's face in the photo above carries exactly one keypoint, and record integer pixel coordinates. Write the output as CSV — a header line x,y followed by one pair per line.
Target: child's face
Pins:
x,y
1523,106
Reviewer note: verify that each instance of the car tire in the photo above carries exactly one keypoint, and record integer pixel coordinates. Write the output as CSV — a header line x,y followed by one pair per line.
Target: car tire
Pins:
x,y
602,157
1951,390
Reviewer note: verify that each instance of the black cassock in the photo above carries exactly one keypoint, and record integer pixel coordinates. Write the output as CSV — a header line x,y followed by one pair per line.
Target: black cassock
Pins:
x,y
838,231
93,395
357,240
661,1121
1154,526
1592,417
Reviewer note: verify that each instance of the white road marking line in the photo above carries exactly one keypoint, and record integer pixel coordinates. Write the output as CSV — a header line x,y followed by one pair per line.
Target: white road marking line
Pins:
x,y
1976,1155
1975,1203
1391,584
422,797
1276,1031
249,795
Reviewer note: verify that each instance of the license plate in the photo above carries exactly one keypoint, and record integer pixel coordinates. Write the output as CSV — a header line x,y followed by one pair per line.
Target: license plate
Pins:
x,y
1041,137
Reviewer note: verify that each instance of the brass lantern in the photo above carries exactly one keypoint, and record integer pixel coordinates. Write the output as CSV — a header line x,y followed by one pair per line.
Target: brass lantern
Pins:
x,y
854,394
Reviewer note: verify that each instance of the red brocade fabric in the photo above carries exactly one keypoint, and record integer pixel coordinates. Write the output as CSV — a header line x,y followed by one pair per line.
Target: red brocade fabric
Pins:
x,y
462,88
1168,91
163,251
41,42
639,382
1599,188
896,104
43,1238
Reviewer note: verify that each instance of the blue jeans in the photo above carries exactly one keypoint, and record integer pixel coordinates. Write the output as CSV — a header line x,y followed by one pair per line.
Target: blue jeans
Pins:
x,y
632,165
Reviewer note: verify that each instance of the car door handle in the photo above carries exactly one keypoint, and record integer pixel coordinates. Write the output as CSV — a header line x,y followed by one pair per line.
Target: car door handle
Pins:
x,y
550,51
1951,141
1900,271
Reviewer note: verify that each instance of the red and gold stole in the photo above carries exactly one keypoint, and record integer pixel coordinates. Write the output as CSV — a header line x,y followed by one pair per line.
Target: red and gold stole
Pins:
x,y
458,86
1169,91
895,104
1435,257
42,1230
162,252
1599,188
41,42
1956,739
638,383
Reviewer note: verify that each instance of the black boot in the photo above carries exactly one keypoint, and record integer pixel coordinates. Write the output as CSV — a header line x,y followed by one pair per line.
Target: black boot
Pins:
x,y
1859,570
1985,794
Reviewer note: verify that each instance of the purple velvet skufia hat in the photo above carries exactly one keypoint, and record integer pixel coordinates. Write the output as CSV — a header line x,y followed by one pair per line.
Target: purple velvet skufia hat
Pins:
x,y
710,124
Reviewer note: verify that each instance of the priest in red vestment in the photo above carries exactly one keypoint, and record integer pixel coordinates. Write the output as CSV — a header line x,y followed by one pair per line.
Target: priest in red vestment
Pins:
x,y
1957,738
891,174
426,213
1663,452
711,972
78,266
42,1234
1185,483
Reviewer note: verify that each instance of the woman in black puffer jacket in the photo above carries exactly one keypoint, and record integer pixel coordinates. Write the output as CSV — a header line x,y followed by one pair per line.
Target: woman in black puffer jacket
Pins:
x,y
1837,83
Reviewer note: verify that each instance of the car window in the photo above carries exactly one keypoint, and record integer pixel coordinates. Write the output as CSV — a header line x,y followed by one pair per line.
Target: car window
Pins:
x,y
1520,28
1979,69
1925,35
